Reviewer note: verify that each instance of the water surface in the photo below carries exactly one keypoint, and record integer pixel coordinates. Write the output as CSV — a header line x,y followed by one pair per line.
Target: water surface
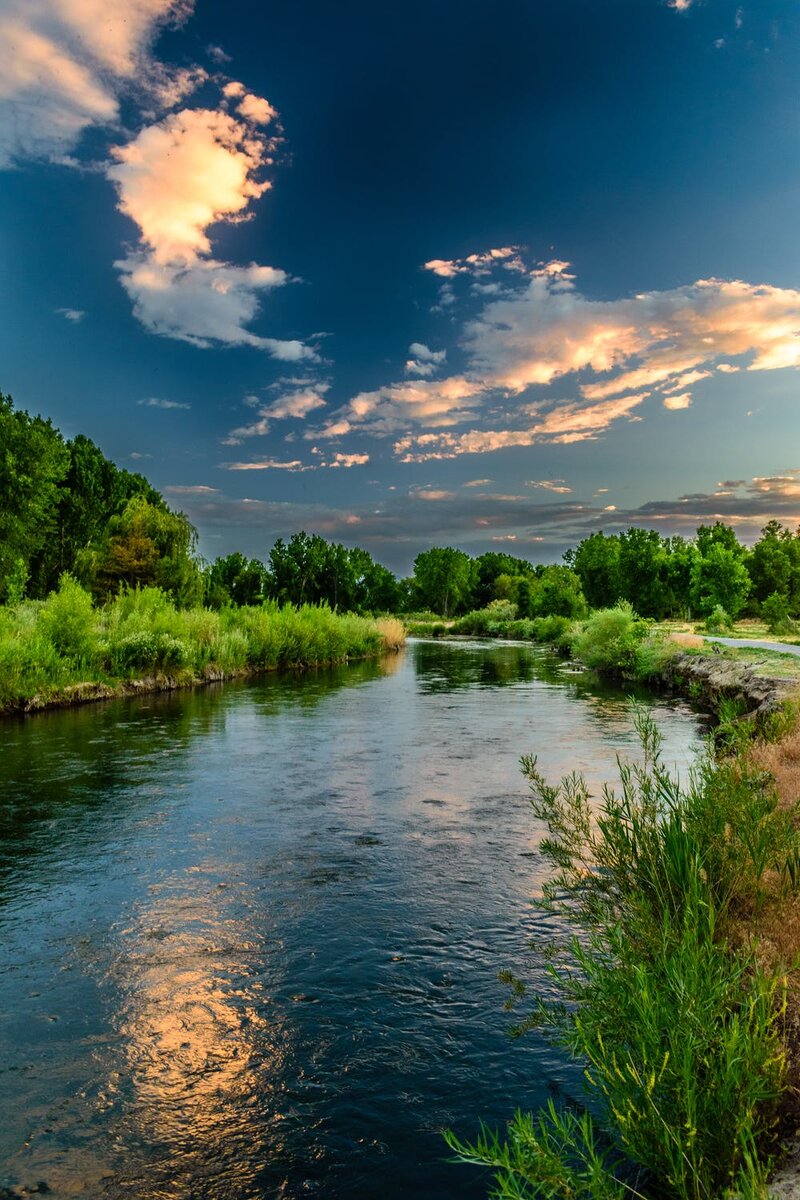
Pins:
x,y
250,935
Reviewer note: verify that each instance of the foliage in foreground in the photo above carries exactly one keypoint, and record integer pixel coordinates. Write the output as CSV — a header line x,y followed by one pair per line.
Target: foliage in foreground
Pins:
x,y
48,645
679,1035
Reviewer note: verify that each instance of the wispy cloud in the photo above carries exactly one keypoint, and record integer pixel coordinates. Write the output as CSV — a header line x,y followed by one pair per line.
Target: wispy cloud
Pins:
x,y
543,528
74,315
550,485
195,489
337,461
296,403
67,63
424,361
612,354
155,402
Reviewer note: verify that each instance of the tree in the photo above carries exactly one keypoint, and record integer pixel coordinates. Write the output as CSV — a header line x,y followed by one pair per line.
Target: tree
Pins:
x,y
234,580
774,563
595,560
33,463
718,534
719,578
643,572
146,545
442,579
557,591
681,558
486,569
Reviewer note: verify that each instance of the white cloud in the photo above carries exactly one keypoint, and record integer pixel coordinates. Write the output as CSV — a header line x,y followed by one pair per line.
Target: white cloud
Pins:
x,y
75,315
66,64
154,402
194,168
256,109
571,422
478,264
674,402
391,408
197,489
347,460
616,353
550,485
268,464
177,178
424,361
296,404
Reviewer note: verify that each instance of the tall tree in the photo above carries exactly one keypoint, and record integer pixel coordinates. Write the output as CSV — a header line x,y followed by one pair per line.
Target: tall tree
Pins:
x,y
146,545
596,562
442,579
719,578
33,463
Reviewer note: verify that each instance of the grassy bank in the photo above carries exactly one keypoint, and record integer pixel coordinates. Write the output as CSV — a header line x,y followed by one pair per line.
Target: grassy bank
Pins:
x,y
672,994
54,650
615,640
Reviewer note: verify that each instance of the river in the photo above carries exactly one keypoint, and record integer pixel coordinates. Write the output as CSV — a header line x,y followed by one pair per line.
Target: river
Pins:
x,y
250,934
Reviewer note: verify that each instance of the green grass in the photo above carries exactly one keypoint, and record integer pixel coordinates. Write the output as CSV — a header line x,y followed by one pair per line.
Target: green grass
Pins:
x,y
48,646
679,1035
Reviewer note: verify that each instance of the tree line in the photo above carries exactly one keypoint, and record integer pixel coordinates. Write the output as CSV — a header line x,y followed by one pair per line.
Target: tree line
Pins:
x,y
65,507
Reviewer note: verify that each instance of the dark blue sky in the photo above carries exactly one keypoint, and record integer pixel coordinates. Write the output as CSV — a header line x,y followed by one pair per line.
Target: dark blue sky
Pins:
x,y
504,400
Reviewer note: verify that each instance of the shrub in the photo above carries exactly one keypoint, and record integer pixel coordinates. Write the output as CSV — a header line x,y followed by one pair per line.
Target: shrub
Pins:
x,y
652,655
609,639
551,629
146,650
67,619
775,611
678,1033
718,621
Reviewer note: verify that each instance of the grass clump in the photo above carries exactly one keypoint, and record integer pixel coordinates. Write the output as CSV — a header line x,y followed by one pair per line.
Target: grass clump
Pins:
x,y
680,1034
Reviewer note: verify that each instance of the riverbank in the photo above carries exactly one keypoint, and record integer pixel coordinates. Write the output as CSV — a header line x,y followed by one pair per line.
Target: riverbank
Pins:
x,y
713,922
64,651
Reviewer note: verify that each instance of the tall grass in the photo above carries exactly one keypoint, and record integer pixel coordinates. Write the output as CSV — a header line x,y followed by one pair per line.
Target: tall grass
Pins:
x,y
47,645
679,1034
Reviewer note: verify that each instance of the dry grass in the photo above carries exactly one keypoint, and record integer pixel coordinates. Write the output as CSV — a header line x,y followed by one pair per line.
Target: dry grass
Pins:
x,y
772,931
393,633
687,641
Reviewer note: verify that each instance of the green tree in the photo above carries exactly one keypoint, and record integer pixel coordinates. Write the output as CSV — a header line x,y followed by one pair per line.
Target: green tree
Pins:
x,y
33,463
442,579
719,578
94,490
595,561
234,580
718,534
146,545
643,574
557,591
486,569
681,557
774,563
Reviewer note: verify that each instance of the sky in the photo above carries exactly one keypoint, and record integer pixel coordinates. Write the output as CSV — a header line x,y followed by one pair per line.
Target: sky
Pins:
x,y
442,273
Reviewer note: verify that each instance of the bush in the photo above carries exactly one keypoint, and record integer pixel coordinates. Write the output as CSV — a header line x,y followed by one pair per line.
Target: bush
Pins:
x,y
610,638
652,656
718,621
67,619
775,611
146,650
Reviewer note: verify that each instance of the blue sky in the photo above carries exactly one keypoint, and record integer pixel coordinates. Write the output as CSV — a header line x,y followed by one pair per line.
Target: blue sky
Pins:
x,y
490,276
